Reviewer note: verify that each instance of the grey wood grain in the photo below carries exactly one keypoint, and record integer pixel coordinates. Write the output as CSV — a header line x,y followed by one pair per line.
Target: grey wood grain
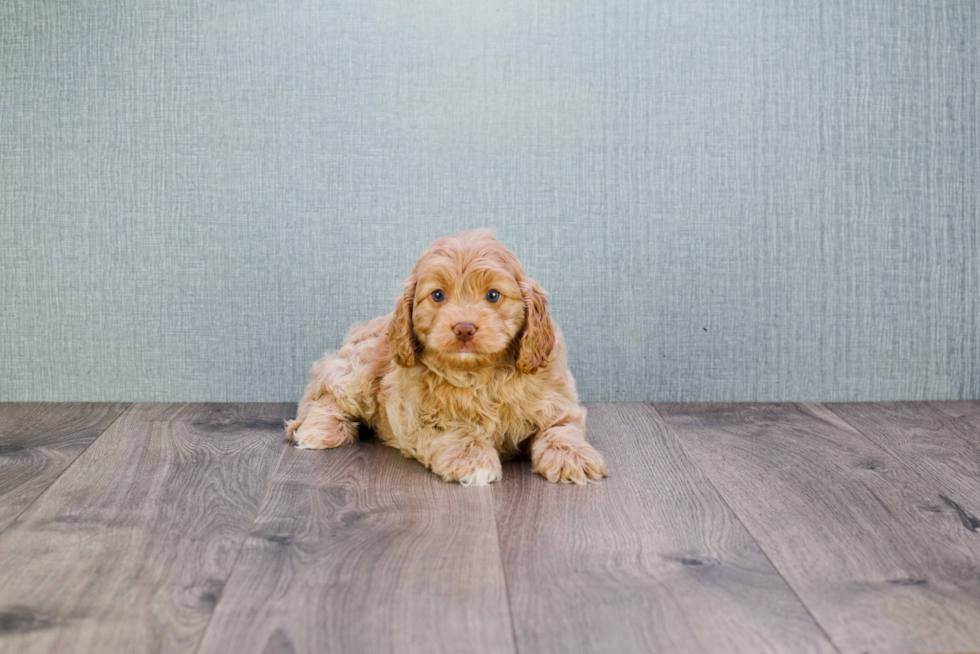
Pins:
x,y
967,409
129,549
649,560
939,441
361,550
38,442
865,541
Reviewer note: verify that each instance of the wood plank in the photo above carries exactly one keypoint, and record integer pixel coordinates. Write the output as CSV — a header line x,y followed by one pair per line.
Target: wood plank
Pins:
x,y
866,543
361,550
940,442
129,549
649,560
38,442
969,409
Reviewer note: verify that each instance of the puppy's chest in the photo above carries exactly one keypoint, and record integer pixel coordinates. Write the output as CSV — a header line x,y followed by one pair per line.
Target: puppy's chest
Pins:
x,y
499,412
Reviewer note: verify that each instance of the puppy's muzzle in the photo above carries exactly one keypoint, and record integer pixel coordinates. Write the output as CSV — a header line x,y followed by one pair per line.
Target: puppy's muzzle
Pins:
x,y
464,331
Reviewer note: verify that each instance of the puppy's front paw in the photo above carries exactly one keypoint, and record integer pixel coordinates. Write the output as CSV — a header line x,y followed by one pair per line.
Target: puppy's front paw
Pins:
x,y
321,431
471,464
567,460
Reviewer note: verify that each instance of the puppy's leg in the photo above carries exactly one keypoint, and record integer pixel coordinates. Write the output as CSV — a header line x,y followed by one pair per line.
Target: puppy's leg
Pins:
x,y
561,454
319,423
322,427
467,461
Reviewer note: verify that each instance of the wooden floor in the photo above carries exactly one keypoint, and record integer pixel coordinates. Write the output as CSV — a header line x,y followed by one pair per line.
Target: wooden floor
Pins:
x,y
722,528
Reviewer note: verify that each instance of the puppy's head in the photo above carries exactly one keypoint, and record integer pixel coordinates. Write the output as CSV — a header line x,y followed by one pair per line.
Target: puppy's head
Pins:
x,y
468,303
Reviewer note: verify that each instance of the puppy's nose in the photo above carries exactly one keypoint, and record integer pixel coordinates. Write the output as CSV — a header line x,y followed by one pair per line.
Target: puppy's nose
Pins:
x,y
464,330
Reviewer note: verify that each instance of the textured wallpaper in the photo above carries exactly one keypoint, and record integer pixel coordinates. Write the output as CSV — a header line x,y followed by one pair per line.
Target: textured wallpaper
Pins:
x,y
727,200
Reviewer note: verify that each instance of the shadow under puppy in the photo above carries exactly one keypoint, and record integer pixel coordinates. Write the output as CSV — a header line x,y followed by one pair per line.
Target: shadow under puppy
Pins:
x,y
468,368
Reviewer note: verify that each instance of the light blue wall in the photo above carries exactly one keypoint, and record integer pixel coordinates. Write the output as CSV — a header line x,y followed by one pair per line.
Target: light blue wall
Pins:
x,y
727,200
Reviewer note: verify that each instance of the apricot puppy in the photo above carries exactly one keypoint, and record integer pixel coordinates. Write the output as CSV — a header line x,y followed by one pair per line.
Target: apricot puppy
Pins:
x,y
467,369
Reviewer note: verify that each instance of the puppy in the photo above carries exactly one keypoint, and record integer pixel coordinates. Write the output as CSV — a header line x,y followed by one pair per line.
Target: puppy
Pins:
x,y
468,368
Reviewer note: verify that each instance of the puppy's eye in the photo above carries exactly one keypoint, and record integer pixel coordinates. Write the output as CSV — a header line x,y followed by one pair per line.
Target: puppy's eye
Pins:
x,y
493,296
438,296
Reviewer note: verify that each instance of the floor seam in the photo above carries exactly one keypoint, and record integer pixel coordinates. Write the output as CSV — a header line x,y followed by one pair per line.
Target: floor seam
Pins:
x,y
241,548
724,500
928,483
503,570
13,522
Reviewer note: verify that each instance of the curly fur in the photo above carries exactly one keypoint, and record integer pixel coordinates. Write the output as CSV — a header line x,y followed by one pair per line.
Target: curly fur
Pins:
x,y
457,407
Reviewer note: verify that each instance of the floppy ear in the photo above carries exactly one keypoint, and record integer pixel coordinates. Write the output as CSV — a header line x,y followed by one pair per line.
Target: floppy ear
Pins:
x,y
401,337
538,337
